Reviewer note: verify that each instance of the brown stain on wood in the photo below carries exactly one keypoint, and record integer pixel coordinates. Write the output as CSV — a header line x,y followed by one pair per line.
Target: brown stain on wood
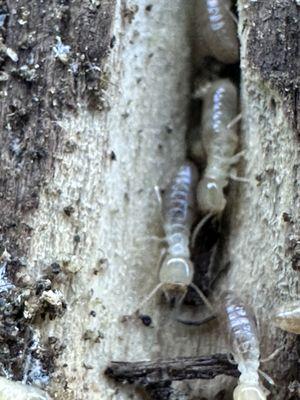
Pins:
x,y
36,88
273,48
36,91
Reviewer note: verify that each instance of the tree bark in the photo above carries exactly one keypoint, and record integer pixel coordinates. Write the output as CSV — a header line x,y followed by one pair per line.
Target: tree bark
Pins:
x,y
95,99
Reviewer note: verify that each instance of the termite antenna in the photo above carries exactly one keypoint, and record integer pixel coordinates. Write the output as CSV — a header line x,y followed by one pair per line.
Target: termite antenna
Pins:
x,y
202,297
136,314
232,15
149,297
197,322
198,228
273,355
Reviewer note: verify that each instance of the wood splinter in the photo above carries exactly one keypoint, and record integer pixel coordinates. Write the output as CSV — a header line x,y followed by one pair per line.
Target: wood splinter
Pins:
x,y
165,371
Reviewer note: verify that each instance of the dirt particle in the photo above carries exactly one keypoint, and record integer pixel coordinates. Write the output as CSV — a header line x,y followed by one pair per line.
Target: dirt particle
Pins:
x,y
112,42
128,13
113,156
69,210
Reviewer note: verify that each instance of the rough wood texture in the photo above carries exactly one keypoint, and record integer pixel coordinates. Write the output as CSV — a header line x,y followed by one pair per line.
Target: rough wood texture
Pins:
x,y
166,371
82,149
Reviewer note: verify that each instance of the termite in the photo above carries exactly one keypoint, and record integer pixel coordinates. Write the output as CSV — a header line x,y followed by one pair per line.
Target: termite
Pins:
x,y
244,343
219,139
287,317
176,271
219,30
11,390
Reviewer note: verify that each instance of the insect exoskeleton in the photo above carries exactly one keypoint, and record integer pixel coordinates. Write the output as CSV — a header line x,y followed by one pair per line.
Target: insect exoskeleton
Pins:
x,y
176,271
219,139
219,29
179,212
287,317
244,344
11,390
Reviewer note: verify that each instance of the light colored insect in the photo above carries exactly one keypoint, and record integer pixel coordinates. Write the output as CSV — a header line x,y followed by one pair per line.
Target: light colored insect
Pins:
x,y
219,29
219,139
287,317
10,390
243,340
176,270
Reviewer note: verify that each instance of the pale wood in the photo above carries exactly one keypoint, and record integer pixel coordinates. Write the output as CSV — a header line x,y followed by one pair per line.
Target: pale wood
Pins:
x,y
112,268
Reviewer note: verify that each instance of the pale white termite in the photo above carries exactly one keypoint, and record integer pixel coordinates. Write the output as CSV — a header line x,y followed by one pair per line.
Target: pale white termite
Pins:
x,y
219,29
287,317
176,270
244,344
11,390
219,139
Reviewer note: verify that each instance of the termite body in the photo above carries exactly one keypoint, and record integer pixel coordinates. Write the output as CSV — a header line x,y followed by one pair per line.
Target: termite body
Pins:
x,y
11,390
244,343
219,140
176,271
178,212
219,30
287,317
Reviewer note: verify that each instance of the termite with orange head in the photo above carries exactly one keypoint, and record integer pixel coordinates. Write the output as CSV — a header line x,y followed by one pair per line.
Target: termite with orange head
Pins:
x,y
176,271
11,390
244,344
287,317
218,30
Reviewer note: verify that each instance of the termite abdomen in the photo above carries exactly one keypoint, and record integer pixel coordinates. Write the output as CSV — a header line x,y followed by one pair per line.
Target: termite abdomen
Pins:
x,y
178,209
219,143
219,30
241,328
244,344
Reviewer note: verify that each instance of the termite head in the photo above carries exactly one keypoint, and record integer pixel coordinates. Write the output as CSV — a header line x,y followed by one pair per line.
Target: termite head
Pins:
x,y
176,273
287,317
210,196
246,391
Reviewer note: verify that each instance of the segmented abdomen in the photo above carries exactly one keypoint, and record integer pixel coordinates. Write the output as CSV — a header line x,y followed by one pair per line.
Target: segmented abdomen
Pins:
x,y
220,30
219,141
241,327
179,205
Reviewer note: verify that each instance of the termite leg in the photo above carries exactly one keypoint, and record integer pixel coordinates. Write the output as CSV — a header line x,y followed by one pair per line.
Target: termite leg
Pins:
x,y
158,195
231,359
273,355
266,377
234,121
152,238
239,178
198,227
236,158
